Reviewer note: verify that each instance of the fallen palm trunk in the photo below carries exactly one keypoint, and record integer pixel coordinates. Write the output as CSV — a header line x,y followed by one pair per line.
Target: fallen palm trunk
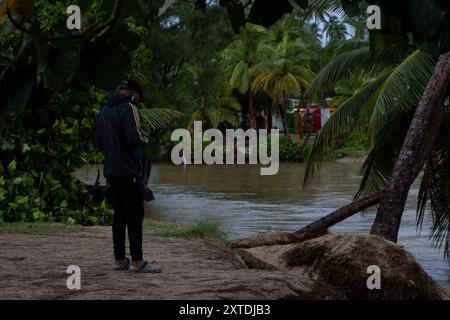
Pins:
x,y
320,226
313,230
416,148
270,238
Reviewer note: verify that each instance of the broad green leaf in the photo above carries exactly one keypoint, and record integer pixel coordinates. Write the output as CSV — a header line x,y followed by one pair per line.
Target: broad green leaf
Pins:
x,y
12,167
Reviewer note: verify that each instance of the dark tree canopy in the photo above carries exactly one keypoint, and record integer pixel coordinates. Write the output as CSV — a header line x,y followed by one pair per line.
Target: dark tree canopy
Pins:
x,y
262,12
427,21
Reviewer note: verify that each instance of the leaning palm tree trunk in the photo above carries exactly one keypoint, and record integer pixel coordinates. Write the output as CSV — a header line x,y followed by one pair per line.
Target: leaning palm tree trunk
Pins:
x,y
313,230
320,226
416,148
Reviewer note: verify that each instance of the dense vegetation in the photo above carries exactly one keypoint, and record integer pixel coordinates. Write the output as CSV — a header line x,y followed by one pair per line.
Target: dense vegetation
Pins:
x,y
226,63
55,82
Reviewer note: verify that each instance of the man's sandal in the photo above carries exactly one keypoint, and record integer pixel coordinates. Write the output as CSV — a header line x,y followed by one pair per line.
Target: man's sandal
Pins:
x,y
145,268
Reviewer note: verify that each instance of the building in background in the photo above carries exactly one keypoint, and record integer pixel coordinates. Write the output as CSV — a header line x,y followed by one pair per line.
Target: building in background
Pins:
x,y
303,118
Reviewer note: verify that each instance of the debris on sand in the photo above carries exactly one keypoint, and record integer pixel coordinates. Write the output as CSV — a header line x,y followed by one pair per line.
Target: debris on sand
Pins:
x,y
342,261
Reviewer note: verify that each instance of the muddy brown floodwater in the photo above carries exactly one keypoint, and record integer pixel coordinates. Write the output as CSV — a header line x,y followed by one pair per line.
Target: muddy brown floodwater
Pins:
x,y
243,203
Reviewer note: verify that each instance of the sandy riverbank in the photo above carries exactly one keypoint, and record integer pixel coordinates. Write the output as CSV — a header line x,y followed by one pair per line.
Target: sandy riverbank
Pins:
x,y
34,267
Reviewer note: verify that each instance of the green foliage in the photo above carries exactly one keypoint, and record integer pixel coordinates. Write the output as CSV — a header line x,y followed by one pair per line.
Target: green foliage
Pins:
x,y
48,15
241,55
183,68
158,119
290,150
52,82
349,63
384,105
283,68
36,159
394,92
349,115
50,101
434,199
355,146
274,62
335,29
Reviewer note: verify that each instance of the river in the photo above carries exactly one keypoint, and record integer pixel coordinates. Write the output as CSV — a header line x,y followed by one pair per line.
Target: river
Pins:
x,y
242,202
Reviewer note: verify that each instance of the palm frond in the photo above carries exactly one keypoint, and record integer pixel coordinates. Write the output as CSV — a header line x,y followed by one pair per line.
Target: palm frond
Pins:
x,y
334,6
218,115
349,45
392,108
386,146
434,193
349,63
228,102
259,82
237,75
346,117
159,118
403,89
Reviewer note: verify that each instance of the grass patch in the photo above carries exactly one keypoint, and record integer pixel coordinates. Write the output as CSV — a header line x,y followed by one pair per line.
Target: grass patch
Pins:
x,y
203,229
40,228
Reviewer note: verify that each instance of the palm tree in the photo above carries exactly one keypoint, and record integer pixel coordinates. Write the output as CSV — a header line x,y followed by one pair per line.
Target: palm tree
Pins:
x,y
239,59
213,111
346,88
295,25
335,29
284,68
318,12
387,103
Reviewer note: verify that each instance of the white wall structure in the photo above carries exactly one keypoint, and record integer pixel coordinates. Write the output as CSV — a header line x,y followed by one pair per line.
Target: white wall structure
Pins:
x,y
325,115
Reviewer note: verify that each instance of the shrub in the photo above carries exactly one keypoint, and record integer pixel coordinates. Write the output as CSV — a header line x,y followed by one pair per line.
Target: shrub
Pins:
x,y
38,158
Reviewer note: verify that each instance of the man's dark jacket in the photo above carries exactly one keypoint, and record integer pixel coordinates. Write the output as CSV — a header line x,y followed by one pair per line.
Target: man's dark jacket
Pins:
x,y
119,136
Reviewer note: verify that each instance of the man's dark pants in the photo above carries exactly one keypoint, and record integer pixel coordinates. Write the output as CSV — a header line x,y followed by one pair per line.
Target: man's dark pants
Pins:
x,y
128,212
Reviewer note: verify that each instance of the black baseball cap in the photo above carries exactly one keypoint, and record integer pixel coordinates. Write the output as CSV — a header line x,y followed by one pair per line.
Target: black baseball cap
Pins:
x,y
132,85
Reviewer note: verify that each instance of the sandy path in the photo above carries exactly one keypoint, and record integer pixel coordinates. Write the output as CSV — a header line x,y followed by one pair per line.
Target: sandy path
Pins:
x,y
34,267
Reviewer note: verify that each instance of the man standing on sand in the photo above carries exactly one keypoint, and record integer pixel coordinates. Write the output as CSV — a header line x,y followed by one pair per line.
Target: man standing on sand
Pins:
x,y
120,138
